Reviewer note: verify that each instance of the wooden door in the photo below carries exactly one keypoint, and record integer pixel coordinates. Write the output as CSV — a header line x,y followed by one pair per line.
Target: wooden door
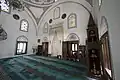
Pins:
x,y
65,50
39,50
45,48
70,49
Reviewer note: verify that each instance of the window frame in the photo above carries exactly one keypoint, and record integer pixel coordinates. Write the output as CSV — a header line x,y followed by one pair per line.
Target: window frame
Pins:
x,y
21,25
75,21
6,11
17,47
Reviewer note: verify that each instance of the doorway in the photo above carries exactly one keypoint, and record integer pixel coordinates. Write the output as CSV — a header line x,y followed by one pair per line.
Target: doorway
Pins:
x,y
45,48
21,45
70,50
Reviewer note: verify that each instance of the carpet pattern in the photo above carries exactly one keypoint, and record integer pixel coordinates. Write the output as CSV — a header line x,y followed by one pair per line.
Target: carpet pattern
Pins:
x,y
34,67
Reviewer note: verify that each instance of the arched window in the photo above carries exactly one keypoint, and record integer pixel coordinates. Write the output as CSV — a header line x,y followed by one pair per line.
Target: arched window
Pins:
x,y
5,5
56,13
21,45
100,3
24,25
45,28
72,21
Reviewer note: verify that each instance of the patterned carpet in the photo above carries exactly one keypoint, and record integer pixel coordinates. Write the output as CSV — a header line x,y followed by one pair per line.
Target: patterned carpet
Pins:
x,y
40,68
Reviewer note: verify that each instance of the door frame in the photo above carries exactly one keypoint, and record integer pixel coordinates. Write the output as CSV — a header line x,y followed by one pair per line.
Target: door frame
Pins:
x,y
17,47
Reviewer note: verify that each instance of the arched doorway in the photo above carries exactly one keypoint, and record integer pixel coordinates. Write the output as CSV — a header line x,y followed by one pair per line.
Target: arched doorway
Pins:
x,y
71,47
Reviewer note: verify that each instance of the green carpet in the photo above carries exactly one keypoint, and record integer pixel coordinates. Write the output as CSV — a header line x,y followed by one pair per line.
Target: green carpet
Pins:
x,y
34,67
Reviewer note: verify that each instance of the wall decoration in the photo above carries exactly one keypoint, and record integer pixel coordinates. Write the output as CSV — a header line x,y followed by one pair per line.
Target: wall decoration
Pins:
x,y
45,28
45,39
39,2
3,34
56,37
72,37
24,25
64,16
56,13
16,17
22,38
72,21
50,21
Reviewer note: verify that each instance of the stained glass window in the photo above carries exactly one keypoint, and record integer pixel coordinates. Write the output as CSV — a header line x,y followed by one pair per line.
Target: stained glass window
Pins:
x,y
4,5
24,25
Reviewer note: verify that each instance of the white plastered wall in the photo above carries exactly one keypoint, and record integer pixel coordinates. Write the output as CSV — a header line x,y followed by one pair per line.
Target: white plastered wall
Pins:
x,y
68,8
12,28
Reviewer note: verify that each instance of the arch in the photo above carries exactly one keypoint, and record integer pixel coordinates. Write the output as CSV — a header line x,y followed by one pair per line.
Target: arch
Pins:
x,y
72,21
32,18
105,39
83,3
22,38
45,39
72,37
103,25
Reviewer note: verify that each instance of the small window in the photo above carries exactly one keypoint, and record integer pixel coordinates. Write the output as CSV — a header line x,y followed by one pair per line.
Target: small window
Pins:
x,y
56,13
72,21
74,47
24,25
21,46
45,28
100,3
5,5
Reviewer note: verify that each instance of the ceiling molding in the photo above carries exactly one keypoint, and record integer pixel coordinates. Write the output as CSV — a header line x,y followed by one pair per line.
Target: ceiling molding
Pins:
x,y
39,3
